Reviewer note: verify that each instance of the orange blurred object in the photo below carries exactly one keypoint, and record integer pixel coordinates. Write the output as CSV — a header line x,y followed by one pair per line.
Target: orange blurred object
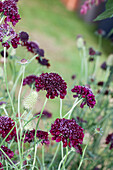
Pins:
x,y
71,4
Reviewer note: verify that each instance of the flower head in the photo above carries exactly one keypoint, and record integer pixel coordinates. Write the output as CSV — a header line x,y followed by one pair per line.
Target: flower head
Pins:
x,y
103,66
43,61
45,114
6,124
2,53
29,80
10,10
41,135
92,52
69,132
100,32
52,83
23,36
109,140
7,151
73,76
86,94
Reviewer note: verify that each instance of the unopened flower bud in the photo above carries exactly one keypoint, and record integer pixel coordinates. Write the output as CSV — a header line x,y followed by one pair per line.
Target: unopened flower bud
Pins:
x,y
80,42
110,60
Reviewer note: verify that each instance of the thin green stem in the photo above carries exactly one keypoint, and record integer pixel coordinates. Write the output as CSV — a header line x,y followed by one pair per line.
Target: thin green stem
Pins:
x,y
36,132
43,164
62,154
83,155
54,156
61,108
5,111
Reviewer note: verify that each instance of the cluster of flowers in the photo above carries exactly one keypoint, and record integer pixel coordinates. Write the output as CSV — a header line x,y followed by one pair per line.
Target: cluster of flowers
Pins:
x,y
33,47
88,4
86,94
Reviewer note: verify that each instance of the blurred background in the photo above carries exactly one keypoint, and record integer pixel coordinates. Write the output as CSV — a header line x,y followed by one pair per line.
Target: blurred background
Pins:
x,y
55,24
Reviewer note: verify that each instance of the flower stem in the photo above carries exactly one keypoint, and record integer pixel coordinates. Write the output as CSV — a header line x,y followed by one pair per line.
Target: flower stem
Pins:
x,y
54,156
61,108
5,111
43,164
36,132
83,155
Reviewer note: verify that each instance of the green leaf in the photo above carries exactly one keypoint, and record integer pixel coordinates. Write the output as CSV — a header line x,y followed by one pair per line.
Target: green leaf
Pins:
x,y
108,13
110,33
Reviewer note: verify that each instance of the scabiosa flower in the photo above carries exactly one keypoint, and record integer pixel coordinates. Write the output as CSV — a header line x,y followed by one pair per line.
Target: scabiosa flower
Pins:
x,y
69,132
40,52
23,36
45,114
6,124
1,166
80,42
1,7
86,94
41,135
10,10
2,53
109,140
8,36
29,80
53,84
31,46
103,66
29,136
8,152
43,61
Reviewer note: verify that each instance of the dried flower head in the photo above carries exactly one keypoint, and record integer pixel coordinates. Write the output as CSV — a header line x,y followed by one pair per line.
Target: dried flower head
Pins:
x,y
86,94
73,77
109,140
53,84
69,132
7,151
30,100
6,124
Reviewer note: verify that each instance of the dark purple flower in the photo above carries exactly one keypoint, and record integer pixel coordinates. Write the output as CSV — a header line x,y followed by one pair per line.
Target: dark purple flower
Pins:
x,y
40,52
23,36
41,135
92,51
81,120
73,77
43,61
2,53
29,80
8,35
2,103
1,166
109,140
31,46
53,84
69,132
86,94
6,124
7,151
10,10
29,136
45,114
103,66
1,7
100,83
